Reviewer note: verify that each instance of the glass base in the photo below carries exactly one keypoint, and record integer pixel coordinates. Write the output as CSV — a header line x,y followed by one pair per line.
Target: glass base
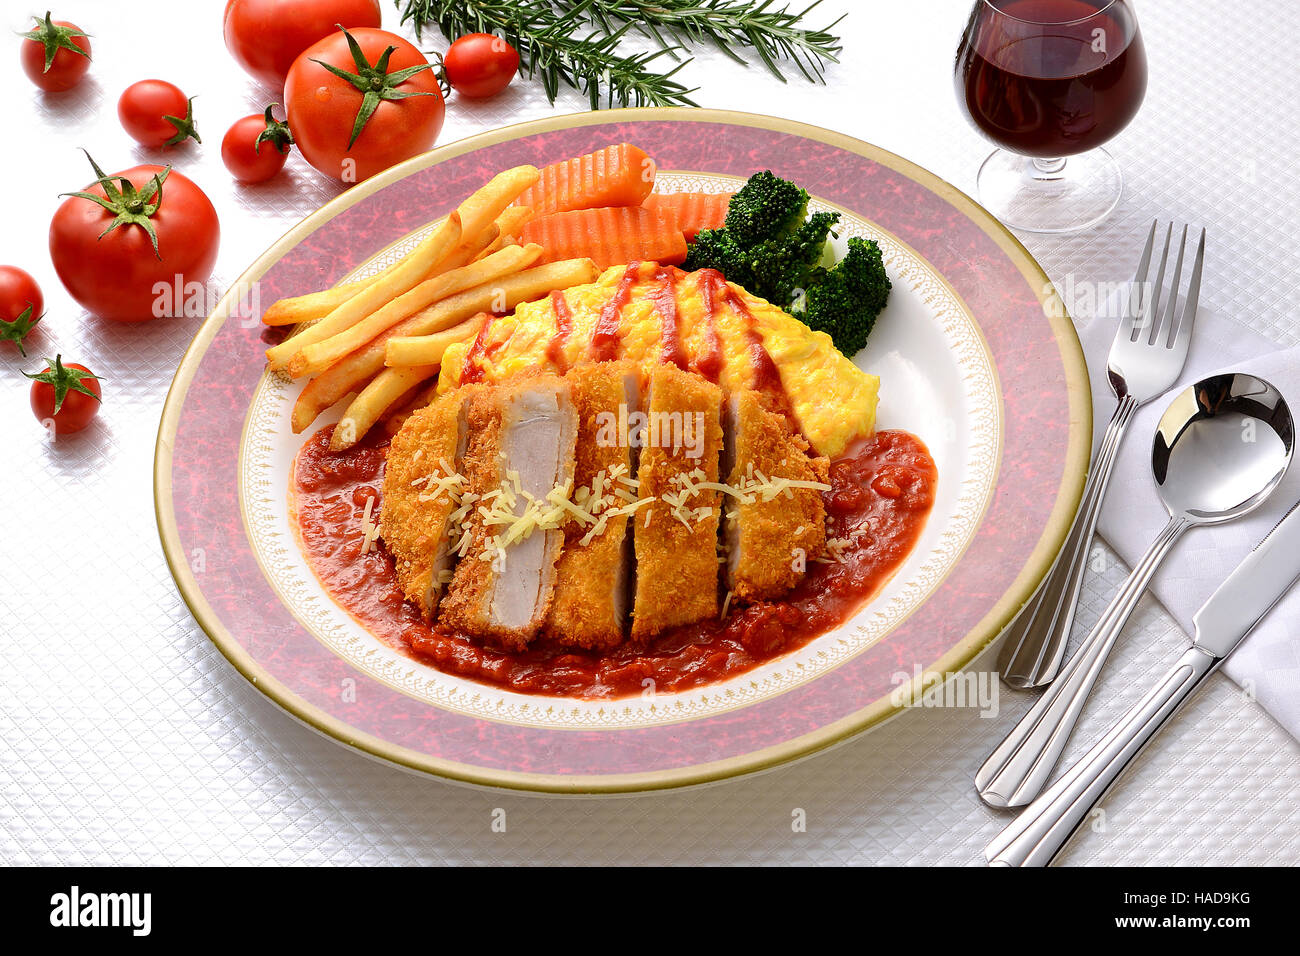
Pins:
x,y
1050,195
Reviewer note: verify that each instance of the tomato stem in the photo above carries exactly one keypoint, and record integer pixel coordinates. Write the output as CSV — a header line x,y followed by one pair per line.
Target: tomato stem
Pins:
x,y
276,133
63,380
129,206
185,128
54,39
16,330
374,82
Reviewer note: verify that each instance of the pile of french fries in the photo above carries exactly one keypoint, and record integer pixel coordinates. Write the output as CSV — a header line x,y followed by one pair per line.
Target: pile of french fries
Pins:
x,y
379,342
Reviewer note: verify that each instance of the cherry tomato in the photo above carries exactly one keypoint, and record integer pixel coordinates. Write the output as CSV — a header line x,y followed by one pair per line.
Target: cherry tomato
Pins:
x,y
480,65
107,258
254,148
21,305
156,113
266,36
68,395
55,55
325,110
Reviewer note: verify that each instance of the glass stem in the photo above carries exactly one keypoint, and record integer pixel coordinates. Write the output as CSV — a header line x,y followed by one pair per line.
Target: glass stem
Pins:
x,y
1049,167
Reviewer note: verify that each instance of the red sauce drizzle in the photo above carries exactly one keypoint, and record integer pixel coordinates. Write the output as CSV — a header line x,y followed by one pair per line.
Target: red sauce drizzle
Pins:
x,y
605,336
664,298
563,326
710,360
472,370
766,375
883,495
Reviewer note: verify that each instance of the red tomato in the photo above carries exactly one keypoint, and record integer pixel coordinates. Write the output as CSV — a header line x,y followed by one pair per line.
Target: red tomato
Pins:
x,y
21,305
55,55
254,148
324,109
156,113
266,36
117,274
67,395
480,65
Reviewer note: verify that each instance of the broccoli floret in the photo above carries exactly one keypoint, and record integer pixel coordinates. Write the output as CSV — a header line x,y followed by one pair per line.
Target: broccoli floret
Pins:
x,y
767,247
717,249
864,268
844,301
764,208
780,267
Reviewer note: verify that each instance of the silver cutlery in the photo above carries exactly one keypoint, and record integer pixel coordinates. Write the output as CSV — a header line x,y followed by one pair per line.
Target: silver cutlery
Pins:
x,y
1220,449
1146,358
1036,836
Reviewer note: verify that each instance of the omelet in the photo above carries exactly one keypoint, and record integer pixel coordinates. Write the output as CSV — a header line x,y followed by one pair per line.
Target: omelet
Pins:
x,y
650,313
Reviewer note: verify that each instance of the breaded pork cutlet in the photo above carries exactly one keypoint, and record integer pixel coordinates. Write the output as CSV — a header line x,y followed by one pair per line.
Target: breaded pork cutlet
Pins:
x,y
594,575
776,529
676,536
521,449
422,489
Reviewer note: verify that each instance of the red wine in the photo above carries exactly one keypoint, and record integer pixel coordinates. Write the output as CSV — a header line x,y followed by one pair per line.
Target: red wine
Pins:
x,y
1051,78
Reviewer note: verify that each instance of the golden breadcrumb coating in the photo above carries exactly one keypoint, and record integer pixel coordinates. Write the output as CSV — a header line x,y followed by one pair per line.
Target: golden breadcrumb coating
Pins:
x,y
413,521
589,607
677,544
771,542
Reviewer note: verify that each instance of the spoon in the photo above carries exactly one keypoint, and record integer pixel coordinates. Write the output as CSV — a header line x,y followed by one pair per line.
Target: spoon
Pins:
x,y
1220,449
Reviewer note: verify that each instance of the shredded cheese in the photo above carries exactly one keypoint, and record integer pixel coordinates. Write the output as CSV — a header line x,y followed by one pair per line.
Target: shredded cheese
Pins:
x,y
369,530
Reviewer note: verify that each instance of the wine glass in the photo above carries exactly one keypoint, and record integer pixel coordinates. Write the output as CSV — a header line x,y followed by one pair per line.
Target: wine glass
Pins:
x,y
1049,81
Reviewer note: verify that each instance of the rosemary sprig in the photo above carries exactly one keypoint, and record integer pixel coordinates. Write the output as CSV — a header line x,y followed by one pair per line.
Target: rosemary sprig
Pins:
x,y
550,50
546,34
730,25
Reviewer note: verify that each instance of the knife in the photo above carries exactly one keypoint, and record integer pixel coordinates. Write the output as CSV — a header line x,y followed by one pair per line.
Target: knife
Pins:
x,y
1039,832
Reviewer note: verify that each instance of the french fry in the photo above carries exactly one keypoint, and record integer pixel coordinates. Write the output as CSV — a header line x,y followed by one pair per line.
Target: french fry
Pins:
x,y
388,387
470,249
417,264
499,296
345,376
315,305
474,218
318,356
508,225
480,210
513,220
428,349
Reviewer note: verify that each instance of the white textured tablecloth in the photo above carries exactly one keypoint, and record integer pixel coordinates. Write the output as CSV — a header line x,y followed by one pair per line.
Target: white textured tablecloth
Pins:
x,y
126,738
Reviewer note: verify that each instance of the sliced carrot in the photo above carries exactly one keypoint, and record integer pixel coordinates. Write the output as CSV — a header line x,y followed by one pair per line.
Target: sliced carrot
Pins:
x,y
621,175
610,236
691,211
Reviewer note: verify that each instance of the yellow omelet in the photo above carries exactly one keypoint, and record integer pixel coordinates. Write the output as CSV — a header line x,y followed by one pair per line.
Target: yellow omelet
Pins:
x,y
651,313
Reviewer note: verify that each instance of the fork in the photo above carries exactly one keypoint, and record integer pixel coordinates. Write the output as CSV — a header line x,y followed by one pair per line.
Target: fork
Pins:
x,y
1146,358
1143,361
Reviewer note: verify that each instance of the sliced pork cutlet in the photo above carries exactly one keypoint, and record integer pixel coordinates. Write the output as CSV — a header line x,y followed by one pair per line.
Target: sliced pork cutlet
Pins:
x,y
522,439
422,494
777,522
676,536
593,578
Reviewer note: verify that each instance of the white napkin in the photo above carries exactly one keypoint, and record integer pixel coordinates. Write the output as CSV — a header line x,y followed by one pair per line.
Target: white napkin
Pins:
x,y
1267,663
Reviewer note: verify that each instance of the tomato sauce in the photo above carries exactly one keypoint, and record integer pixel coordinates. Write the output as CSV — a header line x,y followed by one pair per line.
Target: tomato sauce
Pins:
x,y
767,378
472,369
664,299
605,337
880,499
563,326
710,360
